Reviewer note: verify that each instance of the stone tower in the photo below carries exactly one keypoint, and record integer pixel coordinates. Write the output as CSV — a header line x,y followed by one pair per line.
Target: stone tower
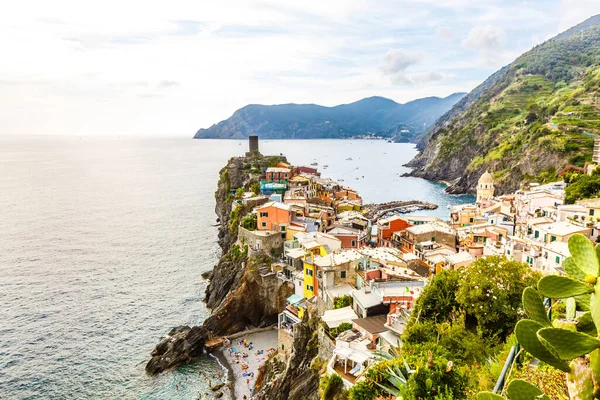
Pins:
x,y
485,186
253,141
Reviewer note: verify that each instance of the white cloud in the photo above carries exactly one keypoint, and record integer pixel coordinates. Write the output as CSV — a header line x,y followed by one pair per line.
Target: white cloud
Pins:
x,y
485,38
572,12
445,33
488,41
142,67
396,61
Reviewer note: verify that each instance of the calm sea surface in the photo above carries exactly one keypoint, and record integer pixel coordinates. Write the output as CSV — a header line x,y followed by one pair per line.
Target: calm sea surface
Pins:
x,y
102,243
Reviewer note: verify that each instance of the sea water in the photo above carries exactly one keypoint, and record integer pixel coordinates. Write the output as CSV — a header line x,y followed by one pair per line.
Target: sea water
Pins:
x,y
103,241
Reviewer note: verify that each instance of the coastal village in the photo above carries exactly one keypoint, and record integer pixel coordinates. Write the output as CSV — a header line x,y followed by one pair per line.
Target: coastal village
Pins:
x,y
361,272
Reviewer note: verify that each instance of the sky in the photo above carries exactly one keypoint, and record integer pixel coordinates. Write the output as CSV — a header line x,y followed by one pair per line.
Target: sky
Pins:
x,y
168,68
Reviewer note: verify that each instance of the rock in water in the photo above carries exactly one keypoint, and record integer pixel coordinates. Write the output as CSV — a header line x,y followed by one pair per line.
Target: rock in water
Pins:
x,y
183,345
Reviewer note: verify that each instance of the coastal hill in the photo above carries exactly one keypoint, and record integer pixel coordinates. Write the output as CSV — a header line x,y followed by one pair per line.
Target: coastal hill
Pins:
x,y
526,122
385,117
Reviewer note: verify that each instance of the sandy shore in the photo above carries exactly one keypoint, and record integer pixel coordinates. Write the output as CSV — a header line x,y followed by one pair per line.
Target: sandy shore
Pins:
x,y
261,341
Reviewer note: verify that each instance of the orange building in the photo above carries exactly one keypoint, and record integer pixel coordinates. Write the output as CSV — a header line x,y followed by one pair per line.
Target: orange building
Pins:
x,y
347,193
387,226
273,216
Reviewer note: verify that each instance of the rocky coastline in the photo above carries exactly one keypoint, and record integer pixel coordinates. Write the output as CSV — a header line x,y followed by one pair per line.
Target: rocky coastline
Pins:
x,y
240,294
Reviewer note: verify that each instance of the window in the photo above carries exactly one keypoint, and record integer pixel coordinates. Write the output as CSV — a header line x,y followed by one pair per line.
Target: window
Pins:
x,y
433,238
470,219
282,228
552,238
591,212
557,260
537,234
310,288
353,243
264,224
309,272
264,214
343,274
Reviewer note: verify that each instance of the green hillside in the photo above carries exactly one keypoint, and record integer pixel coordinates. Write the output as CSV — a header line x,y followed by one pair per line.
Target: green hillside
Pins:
x,y
526,122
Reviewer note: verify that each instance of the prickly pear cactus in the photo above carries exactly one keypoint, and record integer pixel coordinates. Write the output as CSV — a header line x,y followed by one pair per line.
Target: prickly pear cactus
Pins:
x,y
570,344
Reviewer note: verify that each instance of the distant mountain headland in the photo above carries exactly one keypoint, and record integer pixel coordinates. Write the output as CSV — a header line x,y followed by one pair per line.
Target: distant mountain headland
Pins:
x,y
373,115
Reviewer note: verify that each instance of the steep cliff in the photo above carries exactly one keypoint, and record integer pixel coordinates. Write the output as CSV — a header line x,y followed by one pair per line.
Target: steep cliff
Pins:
x,y
525,122
242,291
240,172
255,300
299,378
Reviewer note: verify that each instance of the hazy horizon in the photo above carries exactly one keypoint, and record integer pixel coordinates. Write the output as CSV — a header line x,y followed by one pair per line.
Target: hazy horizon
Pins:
x,y
135,68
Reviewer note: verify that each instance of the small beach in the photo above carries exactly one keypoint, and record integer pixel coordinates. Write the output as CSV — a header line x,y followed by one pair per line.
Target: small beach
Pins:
x,y
245,355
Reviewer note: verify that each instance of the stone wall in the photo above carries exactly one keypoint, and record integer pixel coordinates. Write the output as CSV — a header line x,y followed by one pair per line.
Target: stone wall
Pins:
x,y
254,202
285,344
326,345
260,241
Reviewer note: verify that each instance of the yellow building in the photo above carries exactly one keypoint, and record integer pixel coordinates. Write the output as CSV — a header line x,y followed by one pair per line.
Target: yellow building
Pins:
x,y
593,209
311,285
292,230
485,186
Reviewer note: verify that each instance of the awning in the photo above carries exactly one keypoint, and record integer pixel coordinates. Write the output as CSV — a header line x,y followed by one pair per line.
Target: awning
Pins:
x,y
295,253
359,357
333,318
350,354
294,299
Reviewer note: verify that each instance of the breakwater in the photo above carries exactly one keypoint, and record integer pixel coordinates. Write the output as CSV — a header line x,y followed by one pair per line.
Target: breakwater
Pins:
x,y
376,211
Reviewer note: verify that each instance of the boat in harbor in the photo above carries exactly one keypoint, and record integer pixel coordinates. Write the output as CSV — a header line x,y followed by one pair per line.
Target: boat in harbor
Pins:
x,y
314,164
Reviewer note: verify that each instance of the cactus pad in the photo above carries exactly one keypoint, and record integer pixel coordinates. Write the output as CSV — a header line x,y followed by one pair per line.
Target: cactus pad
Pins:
x,y
571,307
595,305
560,287
526,332
519,389
567,344
583,302
584,254
534,308
586,325
572,269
